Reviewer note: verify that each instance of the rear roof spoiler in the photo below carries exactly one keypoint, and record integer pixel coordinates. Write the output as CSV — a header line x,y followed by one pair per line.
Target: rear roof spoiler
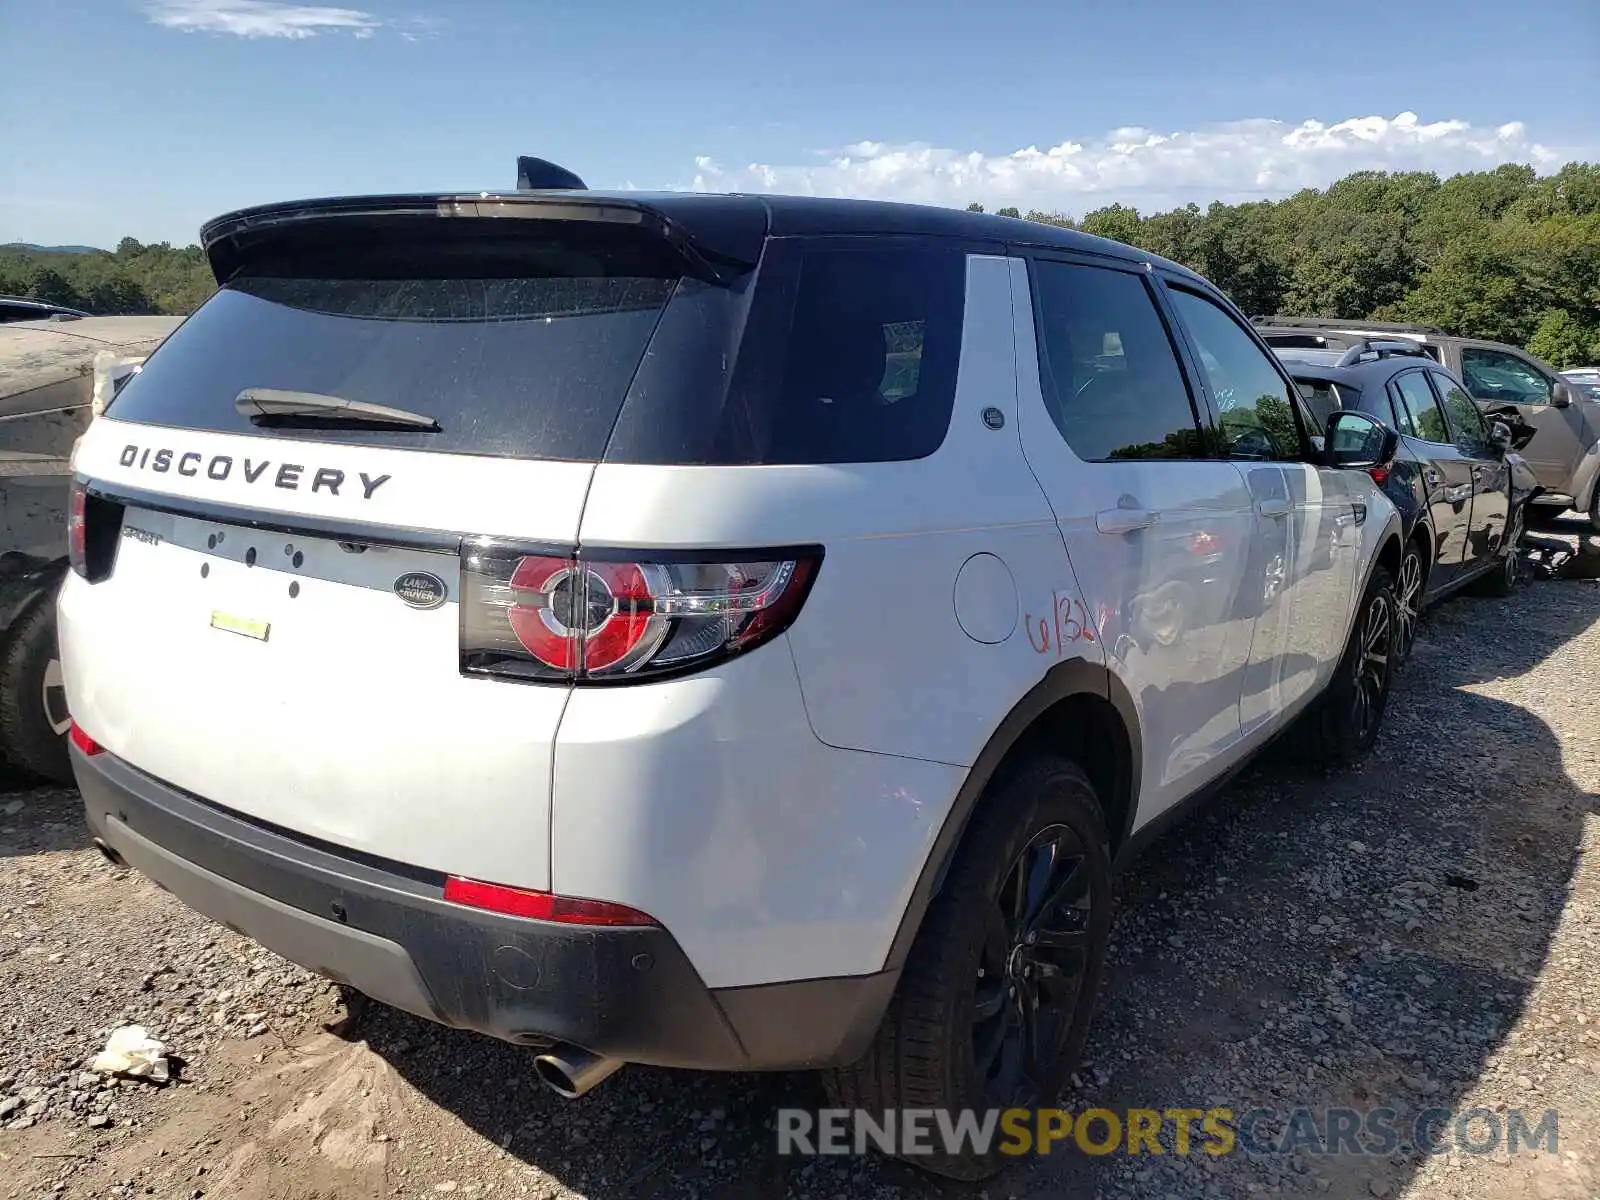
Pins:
x,y
719,237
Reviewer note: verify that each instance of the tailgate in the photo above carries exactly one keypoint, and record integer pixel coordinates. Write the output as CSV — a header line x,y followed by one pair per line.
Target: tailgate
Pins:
x,y
282,677
374,387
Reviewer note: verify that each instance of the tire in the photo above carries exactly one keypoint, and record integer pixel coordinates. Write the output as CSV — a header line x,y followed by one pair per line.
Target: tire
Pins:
x,y
1343,722
1408,589
33,720
926,1054
1501,580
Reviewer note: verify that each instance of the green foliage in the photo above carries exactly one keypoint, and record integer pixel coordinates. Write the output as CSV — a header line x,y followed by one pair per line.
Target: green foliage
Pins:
x,y
1561,339
135,279
1117,223
1503,254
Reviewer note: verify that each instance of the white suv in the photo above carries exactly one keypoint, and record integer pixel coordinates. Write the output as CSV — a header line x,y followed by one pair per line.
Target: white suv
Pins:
x,y
708,631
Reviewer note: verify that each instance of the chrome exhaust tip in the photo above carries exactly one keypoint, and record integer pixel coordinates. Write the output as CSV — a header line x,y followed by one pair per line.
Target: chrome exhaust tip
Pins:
x,y
111,855
570,1071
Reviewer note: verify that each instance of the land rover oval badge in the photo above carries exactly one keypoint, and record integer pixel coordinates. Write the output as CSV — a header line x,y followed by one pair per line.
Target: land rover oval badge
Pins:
x,y
419,589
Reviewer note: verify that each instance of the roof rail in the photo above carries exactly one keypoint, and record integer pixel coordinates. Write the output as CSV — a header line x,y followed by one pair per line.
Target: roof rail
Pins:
x,y
540,174
1379,348
1332,323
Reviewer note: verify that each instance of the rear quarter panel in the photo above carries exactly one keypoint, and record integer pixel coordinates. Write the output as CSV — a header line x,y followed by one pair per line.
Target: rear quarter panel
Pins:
x,y
810,779
885,664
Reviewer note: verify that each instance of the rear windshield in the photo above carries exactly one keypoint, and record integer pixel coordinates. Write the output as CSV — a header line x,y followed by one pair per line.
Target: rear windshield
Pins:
x,y
1324,399
522,366
832,351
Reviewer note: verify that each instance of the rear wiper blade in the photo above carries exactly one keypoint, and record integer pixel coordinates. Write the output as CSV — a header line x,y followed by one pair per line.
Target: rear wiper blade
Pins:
x,y
274,406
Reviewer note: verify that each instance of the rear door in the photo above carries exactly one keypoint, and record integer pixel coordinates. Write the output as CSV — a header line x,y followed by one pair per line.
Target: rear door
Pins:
x,y
1499,377
1159,530
1447,475
280,626
1491,477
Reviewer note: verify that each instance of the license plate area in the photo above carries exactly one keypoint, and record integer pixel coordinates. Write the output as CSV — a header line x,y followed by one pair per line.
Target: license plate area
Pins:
x,y
255,586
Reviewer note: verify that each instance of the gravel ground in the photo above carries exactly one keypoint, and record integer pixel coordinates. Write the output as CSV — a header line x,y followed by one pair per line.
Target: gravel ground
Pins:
x,y
1419,933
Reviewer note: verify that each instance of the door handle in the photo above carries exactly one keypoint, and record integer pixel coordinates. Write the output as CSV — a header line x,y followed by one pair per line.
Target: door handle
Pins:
x,y
1457,494
1273,508
1124,520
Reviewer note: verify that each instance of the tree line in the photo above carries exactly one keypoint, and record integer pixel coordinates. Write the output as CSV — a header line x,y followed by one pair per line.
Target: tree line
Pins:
x,y
135,278
1504,254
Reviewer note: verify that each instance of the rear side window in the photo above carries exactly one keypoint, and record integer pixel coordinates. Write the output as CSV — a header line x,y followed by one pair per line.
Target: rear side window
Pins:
x,y
849,354
1416,409
531,366
1107,369
871,356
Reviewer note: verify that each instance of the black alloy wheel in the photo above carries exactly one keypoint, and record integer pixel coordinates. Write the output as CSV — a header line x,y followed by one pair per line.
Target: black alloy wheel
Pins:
x,y
1510,562
1373,664
1031,969
1407,603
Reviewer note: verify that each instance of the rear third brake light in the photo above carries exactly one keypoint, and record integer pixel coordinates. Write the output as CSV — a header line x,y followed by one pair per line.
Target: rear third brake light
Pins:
x,y
618,619
540,906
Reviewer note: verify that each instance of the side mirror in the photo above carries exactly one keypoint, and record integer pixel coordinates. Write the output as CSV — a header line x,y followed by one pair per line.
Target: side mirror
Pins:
x,y
1353,439
1500,436
1560,394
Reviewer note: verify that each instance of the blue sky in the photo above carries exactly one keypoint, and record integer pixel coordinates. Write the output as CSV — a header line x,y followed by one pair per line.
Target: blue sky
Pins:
x,y
145,117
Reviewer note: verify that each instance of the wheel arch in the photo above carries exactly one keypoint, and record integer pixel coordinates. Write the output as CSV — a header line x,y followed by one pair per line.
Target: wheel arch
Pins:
x,y
1390,551
1078,709
1422,535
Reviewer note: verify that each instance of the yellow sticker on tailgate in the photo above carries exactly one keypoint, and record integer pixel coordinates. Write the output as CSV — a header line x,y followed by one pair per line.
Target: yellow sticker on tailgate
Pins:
x,y
248,627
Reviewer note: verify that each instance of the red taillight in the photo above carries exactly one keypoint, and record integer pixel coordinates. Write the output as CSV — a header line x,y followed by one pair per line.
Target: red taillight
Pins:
x,y
611,619
540,906
93,525
78,529
83,741
1380,475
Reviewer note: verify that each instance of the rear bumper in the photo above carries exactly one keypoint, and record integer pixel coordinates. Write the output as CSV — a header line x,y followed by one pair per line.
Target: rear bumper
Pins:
x,y
385,930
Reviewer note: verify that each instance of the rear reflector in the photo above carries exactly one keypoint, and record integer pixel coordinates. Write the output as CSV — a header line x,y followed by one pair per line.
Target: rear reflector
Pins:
x,y
540,906
83,741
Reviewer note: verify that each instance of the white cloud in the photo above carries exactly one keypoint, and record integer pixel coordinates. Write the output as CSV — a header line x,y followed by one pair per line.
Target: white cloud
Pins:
x,y
1233,161
260,18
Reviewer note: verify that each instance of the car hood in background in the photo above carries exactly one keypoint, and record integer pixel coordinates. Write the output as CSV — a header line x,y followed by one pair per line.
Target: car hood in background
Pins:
x,y
39,354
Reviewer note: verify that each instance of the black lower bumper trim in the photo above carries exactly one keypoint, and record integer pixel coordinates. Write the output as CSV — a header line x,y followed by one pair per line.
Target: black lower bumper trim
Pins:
x,y
384,929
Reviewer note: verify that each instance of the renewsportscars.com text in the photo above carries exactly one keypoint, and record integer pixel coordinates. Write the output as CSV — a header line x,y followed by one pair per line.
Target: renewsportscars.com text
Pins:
x,y
1257,1132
